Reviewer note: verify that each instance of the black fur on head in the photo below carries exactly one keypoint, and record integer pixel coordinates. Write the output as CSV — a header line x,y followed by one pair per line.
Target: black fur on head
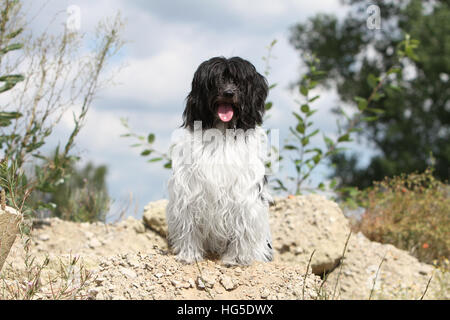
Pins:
x,y
222,84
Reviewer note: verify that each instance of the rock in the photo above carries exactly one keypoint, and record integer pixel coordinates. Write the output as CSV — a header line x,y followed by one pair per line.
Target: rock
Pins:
x,y
99,280
400,276
227,283
133,224
154,216
10,220
128,272
44,237
200,283
264,293
208,279
94,243
302,224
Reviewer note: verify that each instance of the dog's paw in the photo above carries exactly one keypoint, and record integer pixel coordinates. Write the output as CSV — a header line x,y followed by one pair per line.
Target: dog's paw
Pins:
x,y
188,259
229,263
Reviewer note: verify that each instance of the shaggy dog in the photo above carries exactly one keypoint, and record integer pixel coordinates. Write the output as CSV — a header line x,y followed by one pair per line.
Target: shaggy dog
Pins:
x,y
218,202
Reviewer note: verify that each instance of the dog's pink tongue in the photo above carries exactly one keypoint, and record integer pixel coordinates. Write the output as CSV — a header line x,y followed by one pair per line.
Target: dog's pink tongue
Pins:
x,y
225,112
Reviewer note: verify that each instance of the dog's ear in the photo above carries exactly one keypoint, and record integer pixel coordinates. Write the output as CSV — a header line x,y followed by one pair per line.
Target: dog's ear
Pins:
x,y
191,112
257,90
197,110
260,92
198,100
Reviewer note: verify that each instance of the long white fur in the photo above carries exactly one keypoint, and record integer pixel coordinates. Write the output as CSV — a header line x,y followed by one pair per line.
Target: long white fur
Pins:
x,y
217,199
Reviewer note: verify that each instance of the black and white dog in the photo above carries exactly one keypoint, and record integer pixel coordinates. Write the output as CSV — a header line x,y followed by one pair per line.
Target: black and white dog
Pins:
x,y
218,202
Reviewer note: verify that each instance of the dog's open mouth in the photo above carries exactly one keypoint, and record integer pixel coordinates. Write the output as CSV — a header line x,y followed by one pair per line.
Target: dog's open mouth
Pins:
x,y
225,111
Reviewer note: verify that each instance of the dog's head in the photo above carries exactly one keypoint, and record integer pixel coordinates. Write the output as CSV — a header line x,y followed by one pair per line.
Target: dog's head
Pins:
x,y
226,92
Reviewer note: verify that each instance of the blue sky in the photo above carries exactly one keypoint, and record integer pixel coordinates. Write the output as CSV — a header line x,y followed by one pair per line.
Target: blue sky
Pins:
x,y
166,41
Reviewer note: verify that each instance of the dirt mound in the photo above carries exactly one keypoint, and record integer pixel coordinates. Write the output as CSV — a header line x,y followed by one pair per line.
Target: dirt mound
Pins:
x,y
157,275
130,260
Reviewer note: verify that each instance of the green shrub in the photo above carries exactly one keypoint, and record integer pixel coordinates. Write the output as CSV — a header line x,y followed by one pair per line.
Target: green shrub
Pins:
x,y
412,212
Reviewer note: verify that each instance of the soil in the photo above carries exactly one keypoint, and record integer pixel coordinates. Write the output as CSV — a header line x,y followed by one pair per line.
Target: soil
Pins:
x,y
131,260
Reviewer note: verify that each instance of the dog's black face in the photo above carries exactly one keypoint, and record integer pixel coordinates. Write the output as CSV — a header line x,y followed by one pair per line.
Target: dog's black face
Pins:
x,y
226,92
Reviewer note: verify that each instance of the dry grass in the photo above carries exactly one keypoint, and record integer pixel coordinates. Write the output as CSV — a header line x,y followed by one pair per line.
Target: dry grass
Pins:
x,y
412,212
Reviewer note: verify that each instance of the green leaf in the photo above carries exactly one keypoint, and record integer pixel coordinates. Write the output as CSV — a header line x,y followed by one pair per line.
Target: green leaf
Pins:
x,y
155,160
317,158
328,141
314,133
410,53
151,138
377,96
319,73
299,117
312,84
394,70
314,99
14,33
305,141
11,47
305,108
372,81
290,147
317,150
370,119
362,103
344,138
146,153
395,88
281,186
304,90
14,78
168,165
300,128
375,110
311,112
10,115
268,106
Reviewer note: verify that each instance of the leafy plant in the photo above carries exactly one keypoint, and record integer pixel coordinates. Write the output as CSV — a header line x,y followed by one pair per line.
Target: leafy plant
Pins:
x,y
56,76
146,143
81,197
412,212
306,158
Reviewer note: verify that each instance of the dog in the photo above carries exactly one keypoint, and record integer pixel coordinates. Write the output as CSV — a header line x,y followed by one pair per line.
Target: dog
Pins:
x,y
218,197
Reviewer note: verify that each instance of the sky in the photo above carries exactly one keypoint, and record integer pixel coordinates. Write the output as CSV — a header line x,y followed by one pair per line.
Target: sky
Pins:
x,y
165,43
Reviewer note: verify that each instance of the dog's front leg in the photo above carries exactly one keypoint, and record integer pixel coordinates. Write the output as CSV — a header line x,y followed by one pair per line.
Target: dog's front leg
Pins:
x,y
183,235
252,239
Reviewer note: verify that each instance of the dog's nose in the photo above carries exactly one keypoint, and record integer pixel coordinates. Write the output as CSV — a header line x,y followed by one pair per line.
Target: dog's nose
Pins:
x,y
228,93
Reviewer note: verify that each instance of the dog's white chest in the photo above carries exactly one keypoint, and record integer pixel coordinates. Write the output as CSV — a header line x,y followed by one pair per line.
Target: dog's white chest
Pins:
x,y
218,166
